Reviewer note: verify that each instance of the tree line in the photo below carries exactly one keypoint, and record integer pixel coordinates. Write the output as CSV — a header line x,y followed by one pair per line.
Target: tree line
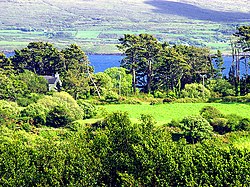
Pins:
x,y
150,66
157,66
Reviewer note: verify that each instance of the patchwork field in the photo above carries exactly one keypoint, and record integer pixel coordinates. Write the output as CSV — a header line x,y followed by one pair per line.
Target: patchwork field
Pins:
x,y
96,25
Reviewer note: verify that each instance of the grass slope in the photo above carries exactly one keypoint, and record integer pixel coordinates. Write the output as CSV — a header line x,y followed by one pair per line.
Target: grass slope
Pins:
x,y
101,22
164,113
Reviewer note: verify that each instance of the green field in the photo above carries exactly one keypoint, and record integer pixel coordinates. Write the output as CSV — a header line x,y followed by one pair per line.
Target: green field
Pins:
x,y
164,113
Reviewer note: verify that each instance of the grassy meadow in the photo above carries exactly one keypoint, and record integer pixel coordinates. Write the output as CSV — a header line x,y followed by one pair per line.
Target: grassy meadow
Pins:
x,y
164,113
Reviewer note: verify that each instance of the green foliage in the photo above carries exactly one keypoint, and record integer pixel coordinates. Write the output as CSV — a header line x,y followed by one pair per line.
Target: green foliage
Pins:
x,y
103,83
40,57
59,116
195,128
28,99
159,94
9,111
75,72
36,84
220,87
210,112
10,86
118,154
36,113
5,63
88,109
111,96
219,62
70,103
244,124
195,90
121,81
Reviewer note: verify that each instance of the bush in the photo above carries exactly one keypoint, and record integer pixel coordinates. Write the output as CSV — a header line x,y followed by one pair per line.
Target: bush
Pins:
x,y
233,121
28,99
156,102
111,96
60,116
8,111
195,90
36,112
88,109
209,112
195,128
70,103
159,94
221,87
220,125
244,124
168,100
189,100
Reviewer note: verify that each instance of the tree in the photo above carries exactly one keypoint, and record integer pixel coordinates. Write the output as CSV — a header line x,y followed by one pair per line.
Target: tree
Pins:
x,y
148,54
76,70
130,47
169,70
240,43
219,62
10,86
195,90
103,83
35,83
38,57
5,63
121,81
220,87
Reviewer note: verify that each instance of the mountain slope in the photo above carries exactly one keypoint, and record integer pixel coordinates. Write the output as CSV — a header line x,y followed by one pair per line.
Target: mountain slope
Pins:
x,y
96,25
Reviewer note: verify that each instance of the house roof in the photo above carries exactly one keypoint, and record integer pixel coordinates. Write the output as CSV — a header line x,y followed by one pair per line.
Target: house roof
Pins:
x,y
50,79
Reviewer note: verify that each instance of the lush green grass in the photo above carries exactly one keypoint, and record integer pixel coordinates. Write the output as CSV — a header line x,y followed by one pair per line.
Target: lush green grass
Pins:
x,y
164,113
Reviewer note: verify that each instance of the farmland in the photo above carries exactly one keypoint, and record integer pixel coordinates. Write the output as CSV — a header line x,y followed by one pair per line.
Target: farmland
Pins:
x,y
97,25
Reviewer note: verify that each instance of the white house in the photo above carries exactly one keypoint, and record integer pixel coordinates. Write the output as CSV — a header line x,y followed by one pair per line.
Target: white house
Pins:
x,y
54,82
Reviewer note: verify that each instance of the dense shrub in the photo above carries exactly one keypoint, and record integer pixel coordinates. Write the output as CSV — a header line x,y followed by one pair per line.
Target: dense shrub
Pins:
x,y
244,124
156,102
189,100
36,112
159,94
70,103
8,111
233,121
195,90
59,116
28,99
209,112
221,88
89,110
111,96
220,125
121,154
195,128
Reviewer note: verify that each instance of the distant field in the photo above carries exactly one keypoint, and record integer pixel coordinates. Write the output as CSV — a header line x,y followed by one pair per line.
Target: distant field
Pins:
x,y
164,113
97,25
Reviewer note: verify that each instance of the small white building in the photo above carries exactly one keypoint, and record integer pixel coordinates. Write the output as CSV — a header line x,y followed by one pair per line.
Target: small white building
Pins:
x,y
54,82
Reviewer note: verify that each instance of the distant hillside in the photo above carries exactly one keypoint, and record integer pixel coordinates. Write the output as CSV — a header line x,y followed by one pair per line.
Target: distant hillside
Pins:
x,y
96,25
